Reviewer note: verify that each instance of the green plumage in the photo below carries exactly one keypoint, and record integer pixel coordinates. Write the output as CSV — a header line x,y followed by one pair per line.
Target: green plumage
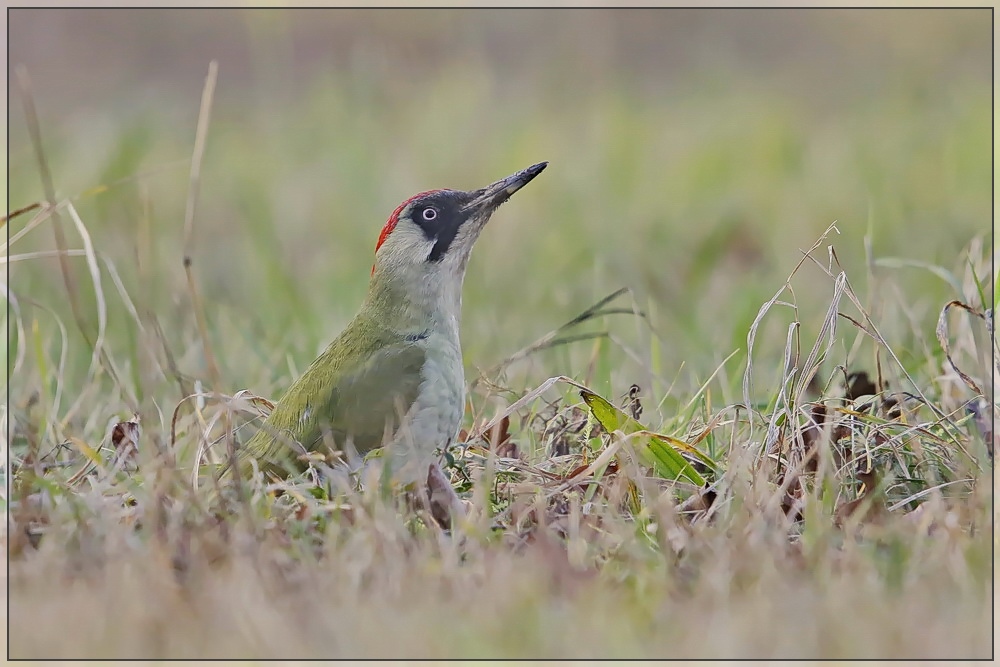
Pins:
x,y
356,389
401,355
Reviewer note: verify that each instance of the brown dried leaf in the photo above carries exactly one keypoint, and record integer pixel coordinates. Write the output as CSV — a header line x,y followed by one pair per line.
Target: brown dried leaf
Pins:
x,y
858,385
499,434
810,436
794,500
509,450
28,518
892,407
125,439
868,507
702,501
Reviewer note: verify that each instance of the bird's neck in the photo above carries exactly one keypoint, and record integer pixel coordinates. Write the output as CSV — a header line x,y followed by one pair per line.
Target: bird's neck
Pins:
x,y
412,305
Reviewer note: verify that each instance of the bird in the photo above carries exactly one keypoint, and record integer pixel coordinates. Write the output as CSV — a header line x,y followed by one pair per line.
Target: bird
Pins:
x,y
394,376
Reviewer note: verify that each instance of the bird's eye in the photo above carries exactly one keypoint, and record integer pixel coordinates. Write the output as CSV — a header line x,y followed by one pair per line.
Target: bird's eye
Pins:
x,y
429,214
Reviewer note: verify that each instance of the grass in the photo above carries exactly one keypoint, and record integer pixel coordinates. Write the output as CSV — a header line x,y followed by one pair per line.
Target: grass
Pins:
x,y
799,471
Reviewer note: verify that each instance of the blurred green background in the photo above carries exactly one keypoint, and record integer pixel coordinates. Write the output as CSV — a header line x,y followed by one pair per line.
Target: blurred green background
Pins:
x,y
692,153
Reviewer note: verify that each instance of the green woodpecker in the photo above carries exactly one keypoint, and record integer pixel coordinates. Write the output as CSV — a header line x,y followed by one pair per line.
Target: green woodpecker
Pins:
x,y
394,376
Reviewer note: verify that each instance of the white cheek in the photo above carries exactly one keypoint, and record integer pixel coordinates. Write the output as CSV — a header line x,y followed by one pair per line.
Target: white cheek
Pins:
x,y
407,245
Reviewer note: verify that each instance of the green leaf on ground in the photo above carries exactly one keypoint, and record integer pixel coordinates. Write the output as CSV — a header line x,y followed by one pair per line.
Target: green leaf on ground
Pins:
x,y
661,451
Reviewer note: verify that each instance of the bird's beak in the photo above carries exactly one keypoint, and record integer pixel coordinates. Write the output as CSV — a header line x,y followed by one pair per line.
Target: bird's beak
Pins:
x,y
490,197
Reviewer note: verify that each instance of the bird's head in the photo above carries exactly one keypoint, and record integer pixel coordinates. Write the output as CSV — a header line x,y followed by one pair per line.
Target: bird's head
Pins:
x,y
430,235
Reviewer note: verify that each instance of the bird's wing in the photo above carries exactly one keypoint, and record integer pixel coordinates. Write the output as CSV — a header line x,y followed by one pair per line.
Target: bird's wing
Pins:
x,y
331,404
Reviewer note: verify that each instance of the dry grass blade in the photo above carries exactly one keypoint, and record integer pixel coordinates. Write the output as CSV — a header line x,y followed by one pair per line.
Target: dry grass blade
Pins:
x,y
42,254
123,293
599,463
96,190
175,372
194,184
899,262
14,312
201,134
877,335
553,338
98,354
828,332
35,221
926,492
783,409
242,401
704,385
21,211
95,276
766,307
35,132
941,331
56,401
523,401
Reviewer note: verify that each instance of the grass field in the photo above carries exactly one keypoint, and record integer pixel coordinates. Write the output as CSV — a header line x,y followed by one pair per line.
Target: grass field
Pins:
x,y
783,206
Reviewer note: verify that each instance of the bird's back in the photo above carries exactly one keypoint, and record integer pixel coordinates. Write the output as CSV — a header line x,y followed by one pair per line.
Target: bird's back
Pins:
x,y
353,394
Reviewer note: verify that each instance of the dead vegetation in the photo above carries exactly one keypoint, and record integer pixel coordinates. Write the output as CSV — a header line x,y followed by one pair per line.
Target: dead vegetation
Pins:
x,y
841,497
836,502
